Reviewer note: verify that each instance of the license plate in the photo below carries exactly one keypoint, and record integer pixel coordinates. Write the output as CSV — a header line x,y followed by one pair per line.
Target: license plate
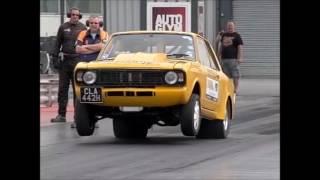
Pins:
x,y
90,94
131,108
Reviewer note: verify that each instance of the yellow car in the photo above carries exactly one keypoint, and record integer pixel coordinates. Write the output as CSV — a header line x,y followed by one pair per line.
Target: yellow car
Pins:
x,y
143,78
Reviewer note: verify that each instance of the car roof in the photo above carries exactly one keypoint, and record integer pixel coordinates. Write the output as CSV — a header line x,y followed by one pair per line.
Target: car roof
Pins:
x,y
156,32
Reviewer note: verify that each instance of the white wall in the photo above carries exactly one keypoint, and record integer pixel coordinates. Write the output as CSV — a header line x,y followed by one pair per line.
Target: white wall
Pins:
x,y
49,24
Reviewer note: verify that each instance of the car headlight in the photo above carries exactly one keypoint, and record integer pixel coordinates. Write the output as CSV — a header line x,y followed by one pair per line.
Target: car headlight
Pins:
x,y
89,77
171,77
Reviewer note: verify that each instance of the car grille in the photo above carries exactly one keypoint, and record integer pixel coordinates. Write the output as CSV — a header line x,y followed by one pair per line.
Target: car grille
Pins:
x,y
130,78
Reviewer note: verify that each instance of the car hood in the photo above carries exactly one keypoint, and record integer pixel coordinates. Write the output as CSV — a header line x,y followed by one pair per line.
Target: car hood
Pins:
x,y
137,60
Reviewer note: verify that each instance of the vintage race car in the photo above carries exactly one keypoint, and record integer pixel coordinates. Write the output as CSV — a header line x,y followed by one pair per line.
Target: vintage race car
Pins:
x,y
142,78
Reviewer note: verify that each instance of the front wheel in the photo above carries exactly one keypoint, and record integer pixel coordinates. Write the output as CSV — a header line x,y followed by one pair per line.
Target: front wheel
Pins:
x,y
84,123
190,116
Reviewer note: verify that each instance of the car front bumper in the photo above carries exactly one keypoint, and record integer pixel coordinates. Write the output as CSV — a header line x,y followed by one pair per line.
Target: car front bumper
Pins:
x,y
145,97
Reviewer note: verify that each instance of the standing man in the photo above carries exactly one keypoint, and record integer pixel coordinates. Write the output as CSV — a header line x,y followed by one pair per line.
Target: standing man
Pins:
x,y
231,53
66,39
90,42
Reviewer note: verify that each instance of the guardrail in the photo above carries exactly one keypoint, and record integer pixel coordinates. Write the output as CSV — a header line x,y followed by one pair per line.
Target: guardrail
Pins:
x,y
48,92
49,85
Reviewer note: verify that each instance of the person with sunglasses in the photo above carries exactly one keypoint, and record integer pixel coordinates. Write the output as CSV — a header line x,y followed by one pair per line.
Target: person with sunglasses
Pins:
x,y
65,45
90,42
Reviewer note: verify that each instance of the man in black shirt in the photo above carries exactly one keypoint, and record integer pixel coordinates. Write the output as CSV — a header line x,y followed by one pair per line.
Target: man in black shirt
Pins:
x,y
66,39
231,53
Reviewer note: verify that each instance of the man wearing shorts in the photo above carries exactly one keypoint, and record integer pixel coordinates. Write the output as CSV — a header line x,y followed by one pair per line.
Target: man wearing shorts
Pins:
x,y
231,53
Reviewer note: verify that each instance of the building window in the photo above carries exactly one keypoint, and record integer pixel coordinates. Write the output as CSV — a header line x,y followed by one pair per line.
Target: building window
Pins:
x,y
85,6
49,6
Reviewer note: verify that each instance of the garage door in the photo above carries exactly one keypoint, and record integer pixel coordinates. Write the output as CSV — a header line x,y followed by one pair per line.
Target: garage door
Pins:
x,y
258,22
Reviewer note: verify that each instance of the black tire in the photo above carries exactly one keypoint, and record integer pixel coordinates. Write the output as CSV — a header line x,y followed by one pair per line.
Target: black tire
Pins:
x,y
84,123
190,116
215,129
129,127
44,62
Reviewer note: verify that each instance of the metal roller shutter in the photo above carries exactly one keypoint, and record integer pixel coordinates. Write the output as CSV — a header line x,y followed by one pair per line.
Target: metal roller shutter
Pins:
x,y
123,15
258,22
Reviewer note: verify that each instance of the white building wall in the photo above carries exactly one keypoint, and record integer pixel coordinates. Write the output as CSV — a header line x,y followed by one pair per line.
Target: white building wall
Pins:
x,y
49,24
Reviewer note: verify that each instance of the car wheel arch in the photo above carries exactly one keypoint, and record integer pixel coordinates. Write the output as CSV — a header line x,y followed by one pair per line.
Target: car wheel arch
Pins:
x,y
229,105
196,88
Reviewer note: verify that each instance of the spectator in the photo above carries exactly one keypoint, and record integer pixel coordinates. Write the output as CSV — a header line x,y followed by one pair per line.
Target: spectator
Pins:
x,y
230,53
90,42
66,38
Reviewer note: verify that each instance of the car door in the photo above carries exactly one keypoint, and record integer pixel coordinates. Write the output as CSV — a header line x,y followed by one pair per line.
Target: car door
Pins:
x,y
211,91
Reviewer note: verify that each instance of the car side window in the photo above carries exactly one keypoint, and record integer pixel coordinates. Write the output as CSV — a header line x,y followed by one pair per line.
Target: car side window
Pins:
x,y
204,54
213,58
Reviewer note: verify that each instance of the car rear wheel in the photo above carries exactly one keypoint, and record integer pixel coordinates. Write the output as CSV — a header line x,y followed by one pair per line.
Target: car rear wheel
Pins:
x,y
84,124
129,127
190,116
218,129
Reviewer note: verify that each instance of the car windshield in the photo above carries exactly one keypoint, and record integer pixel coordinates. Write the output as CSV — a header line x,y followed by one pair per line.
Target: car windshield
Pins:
x,y
174,45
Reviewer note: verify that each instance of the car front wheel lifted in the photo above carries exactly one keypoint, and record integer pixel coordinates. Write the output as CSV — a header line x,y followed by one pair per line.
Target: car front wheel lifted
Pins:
x,y
84,124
